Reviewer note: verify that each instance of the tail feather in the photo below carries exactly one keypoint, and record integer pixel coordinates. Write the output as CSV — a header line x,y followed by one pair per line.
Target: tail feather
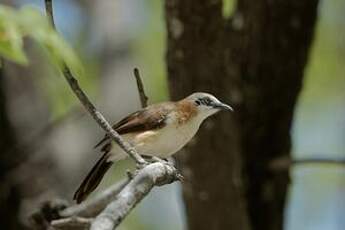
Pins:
x,y
101,141
93,179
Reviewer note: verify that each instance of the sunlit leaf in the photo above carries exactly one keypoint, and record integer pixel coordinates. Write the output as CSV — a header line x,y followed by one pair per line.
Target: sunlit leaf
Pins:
x,y
11,42
28,22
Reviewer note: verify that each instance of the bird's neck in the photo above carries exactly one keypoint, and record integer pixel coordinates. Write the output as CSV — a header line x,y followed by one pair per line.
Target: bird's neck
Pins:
x,y
186,111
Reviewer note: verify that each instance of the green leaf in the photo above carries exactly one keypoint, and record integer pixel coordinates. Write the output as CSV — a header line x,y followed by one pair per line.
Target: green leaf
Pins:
x,y
28,22
11,42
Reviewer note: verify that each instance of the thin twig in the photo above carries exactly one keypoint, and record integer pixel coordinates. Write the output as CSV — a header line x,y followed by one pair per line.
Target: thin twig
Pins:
x,y
155,174
142,95
98,117
318,161
284,163
49,11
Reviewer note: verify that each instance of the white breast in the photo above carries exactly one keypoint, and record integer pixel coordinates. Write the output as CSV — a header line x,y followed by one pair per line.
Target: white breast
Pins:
x,y
168,140
161,142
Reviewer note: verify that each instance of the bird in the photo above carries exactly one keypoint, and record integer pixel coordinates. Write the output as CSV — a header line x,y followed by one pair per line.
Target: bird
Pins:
x,y
158,130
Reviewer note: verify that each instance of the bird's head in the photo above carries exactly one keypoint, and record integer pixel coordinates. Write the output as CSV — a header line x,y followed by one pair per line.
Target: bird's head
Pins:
x,y
207,104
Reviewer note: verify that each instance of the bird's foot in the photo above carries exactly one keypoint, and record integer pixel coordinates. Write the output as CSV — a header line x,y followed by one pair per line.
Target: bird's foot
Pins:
x,y
166,161
171,162
179,176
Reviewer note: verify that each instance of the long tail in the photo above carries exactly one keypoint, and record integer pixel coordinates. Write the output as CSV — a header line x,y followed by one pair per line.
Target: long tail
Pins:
x,y
93,179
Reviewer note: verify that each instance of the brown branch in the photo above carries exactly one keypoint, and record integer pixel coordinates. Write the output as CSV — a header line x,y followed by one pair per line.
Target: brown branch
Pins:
x,y
318,161
155,174
142,95
83,98
284,163
49,11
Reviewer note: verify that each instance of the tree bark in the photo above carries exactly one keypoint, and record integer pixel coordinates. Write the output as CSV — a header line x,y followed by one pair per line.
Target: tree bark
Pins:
x,y
254,60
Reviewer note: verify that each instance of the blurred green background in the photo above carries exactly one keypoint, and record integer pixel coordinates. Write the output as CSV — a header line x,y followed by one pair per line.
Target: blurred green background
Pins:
x,y
113,37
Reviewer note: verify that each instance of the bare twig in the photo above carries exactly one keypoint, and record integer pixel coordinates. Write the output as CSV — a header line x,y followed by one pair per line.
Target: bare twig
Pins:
x,y
142,95
98,117
49,11
285,162
152,175
94,205
318,161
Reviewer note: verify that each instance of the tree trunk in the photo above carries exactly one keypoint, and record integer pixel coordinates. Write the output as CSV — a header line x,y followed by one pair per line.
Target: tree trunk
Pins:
x,y
254,61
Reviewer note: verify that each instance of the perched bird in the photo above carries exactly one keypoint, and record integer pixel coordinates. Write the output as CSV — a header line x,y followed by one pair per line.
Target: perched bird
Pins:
x,y
158,130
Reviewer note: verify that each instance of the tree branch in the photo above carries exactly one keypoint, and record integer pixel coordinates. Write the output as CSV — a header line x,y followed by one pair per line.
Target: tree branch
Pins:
x,y
284,163
152,175
142,95
110,206
93,206
49,11
126,194
97,116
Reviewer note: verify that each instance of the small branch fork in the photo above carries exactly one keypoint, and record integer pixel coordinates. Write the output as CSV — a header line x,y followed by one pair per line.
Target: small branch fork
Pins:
x,y
106,210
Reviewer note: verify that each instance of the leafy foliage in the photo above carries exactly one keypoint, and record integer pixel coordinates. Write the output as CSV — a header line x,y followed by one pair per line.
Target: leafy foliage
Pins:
x,y
28,22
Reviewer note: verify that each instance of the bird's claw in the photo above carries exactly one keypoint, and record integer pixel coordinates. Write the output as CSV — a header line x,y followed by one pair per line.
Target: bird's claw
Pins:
x,y
179,176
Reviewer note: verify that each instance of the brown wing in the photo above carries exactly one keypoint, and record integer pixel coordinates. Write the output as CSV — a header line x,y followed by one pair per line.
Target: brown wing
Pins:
x,y
152,117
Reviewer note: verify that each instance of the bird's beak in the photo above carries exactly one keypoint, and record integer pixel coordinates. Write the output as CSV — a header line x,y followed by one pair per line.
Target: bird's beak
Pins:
x,y
223,106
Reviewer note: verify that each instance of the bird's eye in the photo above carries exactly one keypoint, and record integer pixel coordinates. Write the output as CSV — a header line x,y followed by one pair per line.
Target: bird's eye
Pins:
x,y
197,102
208,101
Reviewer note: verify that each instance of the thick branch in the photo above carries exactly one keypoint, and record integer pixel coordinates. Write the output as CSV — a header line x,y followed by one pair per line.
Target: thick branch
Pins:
x,y
97,116
150,176
142,95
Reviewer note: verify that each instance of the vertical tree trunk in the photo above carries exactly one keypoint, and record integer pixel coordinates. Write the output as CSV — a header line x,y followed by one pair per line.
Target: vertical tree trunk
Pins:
x,y
254,60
